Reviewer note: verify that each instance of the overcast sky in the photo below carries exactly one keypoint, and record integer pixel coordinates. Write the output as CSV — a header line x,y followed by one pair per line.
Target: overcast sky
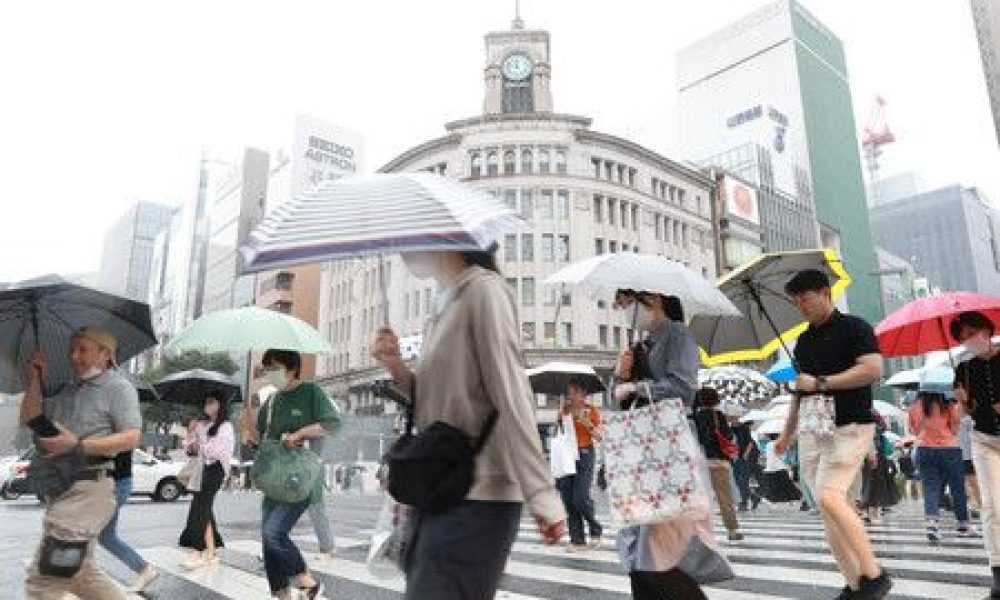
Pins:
x,y
105,103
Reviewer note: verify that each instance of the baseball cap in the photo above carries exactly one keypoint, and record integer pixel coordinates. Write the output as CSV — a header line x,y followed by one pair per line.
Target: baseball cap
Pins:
x,y
101,337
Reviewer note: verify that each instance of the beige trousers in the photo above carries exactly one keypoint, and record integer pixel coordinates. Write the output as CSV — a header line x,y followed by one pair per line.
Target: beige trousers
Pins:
x,y
79,514
721,475
986,458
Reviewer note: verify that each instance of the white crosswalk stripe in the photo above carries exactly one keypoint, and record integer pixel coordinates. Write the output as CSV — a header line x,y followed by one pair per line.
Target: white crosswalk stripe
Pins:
x,y
783,557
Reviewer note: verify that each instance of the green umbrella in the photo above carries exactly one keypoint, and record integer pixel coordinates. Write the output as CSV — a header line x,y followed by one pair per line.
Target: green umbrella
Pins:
x,y
249,329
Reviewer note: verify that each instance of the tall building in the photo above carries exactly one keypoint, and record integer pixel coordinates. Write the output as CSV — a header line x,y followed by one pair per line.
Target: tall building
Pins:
x,y
127,256
949,235
777,80
584,193
986,15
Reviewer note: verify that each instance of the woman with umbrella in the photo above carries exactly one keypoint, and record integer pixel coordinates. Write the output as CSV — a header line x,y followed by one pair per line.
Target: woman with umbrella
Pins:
x,y
211,439
669,558
716,438
579,505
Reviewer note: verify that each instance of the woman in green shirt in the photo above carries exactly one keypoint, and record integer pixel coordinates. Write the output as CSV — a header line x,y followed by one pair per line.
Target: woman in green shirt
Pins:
x,y
297,412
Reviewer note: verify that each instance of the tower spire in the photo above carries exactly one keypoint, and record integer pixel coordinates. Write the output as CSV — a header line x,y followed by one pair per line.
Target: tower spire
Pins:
x,y
518,22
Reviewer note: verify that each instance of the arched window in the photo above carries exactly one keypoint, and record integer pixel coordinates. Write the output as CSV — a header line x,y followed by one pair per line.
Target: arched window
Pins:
x,y
492,164
477,165
509,162
543,161
560,161
527,161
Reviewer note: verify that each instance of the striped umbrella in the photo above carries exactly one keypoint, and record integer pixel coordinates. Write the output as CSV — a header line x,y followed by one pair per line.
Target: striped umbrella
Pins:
x,y
384,213
44,313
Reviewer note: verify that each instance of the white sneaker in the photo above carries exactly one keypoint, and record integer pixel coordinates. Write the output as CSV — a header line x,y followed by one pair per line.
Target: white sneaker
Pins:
x,y
193,562
145,578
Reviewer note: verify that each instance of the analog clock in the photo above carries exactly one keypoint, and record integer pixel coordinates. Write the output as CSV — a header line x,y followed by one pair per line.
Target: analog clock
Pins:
x,y
517,67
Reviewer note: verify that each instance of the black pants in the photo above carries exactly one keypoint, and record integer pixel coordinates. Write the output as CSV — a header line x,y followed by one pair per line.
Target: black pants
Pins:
x,y
200,513
664,585
741,471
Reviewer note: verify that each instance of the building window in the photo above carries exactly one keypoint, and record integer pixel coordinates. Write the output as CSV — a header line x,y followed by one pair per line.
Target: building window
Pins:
x,y
631,177
654,184
602,336
617,337
548,242
527,161
562,249
567,334
658,224
562,205
510,247
509,162
527,247
543,161
550,297
527,205
528,332
547,207
512,282
477,165
567,299
598,247
492,164
528,291
416,303
704,272
624,221
561,161
621,174
677,233
624,247
635,218
680,198
510,198
598,208
427,301
608,168
549,331
597,167
406,306
685,243
612,247
697,201
612,211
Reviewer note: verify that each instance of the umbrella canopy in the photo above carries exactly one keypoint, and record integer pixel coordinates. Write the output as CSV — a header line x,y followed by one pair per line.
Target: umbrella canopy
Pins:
x,y
940,379
553,378
606,273
922,325
783,371
779,412
739,385
773,426
770,319
755,416
906,380
384,213
192,387
249,329
44,313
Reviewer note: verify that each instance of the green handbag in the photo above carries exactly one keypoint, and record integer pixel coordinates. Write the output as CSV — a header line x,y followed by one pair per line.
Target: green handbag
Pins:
x,y
283,474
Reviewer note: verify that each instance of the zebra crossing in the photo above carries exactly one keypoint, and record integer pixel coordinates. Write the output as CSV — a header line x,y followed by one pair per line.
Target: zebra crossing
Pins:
x,y
783,557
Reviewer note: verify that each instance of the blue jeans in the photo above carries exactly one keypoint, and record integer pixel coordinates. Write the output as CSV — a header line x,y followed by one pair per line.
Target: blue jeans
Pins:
x,y
282,559
940,466
575,492
109,539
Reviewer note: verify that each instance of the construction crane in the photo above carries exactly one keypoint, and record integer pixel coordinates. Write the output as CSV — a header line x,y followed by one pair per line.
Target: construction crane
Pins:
x,y
875,135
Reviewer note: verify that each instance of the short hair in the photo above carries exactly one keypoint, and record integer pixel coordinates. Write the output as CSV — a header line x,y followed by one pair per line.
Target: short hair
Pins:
x,y
706,397
578,383
673,308
290,359
809,280
973,319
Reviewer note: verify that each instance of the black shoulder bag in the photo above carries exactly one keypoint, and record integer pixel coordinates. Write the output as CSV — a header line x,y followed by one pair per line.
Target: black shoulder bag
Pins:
x,y
433,469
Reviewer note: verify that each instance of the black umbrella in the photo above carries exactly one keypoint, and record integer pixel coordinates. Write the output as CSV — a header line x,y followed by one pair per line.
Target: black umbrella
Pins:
x,y
192,387
44,313
146,392
553,378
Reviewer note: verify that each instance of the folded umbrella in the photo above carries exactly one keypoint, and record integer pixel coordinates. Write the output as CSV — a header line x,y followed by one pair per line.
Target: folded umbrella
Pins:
x,y
553,378
193,386
769,319
249,329
45,312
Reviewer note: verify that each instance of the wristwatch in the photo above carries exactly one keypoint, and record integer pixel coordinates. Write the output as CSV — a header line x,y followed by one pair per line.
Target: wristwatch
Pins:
x,y
821,384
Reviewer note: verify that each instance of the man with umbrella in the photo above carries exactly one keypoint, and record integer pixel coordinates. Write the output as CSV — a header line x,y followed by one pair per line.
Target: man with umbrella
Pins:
x,y
79,431
837,356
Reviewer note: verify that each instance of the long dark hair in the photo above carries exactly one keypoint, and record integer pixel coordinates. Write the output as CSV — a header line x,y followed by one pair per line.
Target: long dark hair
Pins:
x,y
929,399
486,259
220,417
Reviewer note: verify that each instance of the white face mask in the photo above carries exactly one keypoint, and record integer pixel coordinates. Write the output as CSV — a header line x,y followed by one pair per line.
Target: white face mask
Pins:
x,y
644,319
277,378
91,373
979,344
422,265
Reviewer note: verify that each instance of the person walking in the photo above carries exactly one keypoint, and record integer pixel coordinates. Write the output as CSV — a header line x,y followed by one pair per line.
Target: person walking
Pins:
x,y
109,538
748,454
879,478
712,428
671,558
580,506
97,417
210,438
978,397
471,365
776,485
837,356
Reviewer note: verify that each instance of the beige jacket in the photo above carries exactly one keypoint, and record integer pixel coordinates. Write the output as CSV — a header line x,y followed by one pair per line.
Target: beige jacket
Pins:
x,y
471,361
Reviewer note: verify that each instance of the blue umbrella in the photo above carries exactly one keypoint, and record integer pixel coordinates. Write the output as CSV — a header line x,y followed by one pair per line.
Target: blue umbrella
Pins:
x,y
938,380
782,372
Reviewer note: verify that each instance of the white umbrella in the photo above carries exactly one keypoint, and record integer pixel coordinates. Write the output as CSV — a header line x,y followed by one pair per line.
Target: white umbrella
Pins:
x,y
771,426
379,214
779,412
756,416
905,379
606,273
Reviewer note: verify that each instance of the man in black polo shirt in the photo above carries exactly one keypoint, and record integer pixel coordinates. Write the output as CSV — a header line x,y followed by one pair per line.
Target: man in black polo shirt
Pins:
x,y
837,356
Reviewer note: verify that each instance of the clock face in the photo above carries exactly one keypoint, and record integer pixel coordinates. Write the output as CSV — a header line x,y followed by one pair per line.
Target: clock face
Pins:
x,y
517,67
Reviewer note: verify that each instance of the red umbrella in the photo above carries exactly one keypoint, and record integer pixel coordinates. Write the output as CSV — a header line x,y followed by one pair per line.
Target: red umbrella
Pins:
x,y
922,325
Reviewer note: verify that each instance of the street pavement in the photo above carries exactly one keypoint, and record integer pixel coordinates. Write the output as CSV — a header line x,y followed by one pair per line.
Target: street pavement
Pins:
x,y
782,557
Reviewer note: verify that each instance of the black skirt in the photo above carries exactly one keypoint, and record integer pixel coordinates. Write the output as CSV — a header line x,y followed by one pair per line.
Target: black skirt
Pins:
x,y
200,513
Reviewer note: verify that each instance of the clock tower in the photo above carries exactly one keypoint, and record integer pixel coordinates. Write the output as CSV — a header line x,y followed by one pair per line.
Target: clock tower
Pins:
x,y
517,73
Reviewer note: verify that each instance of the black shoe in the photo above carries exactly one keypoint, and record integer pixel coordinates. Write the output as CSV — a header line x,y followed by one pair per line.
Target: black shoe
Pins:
x,y
846,594
875,589
742,507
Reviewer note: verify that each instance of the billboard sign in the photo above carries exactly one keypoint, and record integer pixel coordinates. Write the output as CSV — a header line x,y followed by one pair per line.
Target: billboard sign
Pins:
x,y
741,200
322,151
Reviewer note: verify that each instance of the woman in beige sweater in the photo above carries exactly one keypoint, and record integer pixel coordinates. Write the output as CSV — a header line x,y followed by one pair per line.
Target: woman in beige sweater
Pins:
x,y
471,363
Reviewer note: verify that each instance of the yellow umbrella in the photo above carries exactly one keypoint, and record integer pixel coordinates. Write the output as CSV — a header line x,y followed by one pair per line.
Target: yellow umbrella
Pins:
x,y
769,318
